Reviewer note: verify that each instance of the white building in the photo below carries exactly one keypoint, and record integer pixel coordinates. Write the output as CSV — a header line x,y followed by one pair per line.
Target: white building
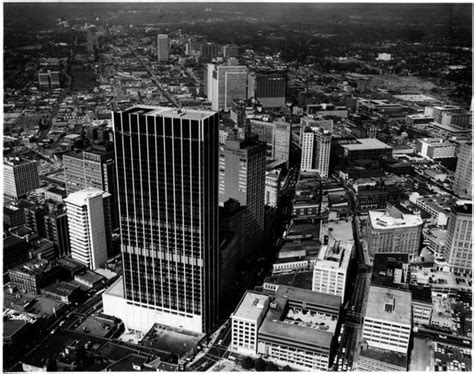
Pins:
x,y
315,150
19,177
225,84
330,270
86,213
387,322
435,148
246,321
272,188
384,57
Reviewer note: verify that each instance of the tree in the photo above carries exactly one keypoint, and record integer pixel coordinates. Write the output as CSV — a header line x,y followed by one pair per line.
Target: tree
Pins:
x,y
260,364
270,366
247,363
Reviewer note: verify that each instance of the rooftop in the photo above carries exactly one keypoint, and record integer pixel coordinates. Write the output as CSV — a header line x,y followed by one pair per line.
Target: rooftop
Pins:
x,y
81,197
335,257
365,144
252,306
383,355
157,111
389,305
11,327
382,220
338,230
130,363
300,279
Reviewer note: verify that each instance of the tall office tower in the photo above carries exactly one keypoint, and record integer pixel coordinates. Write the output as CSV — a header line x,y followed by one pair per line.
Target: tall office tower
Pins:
x,y
88,214
48,79
167,164
226,84
458,249
268,87
462,186
96,169
315,150
34,217
162,48
19,177
209,51
277,136
57,230
230,50
242,178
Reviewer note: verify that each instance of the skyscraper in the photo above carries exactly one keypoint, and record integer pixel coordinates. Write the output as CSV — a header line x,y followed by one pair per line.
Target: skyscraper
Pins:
x,y
226,84
19,177
315,150
462,186
162,48
88,213
458,249
277,136
167,187
242,178
268,87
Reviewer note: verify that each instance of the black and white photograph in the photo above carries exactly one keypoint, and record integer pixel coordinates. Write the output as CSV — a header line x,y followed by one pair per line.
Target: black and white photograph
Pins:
x,y
237,186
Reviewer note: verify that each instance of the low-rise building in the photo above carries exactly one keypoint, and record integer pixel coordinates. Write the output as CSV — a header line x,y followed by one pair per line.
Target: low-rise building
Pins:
x,y
435,148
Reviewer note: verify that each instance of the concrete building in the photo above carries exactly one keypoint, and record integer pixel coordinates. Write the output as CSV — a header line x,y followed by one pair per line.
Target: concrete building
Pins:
x,y
226,84
435,148
299,329
48,79
268,87
230,50
168,200
242,178
272,188
33,275
88,213
277,136
462,186
315,150
95,169
458,250
437,206
19,177
162,48
57,230
246,321
364,149
331,268
387,322
393,232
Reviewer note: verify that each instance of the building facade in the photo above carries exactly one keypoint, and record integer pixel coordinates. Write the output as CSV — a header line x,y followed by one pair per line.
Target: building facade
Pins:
x,y
462,186
277,136
226,84
167,165
458,250
19,177
268,87
242,178
394,233
435,148
162,48
88,213
315,150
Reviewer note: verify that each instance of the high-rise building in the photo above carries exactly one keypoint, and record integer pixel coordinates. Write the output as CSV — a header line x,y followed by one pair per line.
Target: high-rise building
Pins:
x,y
462,186
393,232
167,165
96,169
19,177
315,150
162,48
230,50
386,331
226,84
242,178
458,249
331,268
277,136
57,229
88,215
48,79
268,87
209,51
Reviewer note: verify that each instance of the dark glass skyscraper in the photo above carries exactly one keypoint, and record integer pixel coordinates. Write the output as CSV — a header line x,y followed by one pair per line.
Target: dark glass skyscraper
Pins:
x,y
167,164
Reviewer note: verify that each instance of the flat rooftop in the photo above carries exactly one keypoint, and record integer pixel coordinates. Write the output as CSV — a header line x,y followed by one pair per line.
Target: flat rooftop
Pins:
x,y
157,111
80,197
383,355
299,278
338,230
252,306
365,144
336,257
381,220
379,297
